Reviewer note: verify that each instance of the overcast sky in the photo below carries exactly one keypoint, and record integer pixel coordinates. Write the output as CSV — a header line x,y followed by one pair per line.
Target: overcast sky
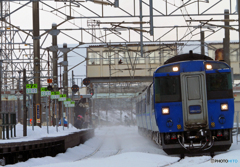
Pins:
x,y
23,19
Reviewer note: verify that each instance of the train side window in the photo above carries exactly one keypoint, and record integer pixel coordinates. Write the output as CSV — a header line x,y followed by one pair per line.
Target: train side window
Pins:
x,y
144,106
148,95
139,108
136,108
152,102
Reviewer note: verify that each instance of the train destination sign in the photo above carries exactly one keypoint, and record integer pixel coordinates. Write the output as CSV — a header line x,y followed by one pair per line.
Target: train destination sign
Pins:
x,y
62,97
68,101
72,104
31,88
38,112
55,95
45,92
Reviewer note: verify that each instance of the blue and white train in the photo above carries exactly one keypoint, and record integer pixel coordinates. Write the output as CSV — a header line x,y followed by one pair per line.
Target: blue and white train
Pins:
x,y
189,107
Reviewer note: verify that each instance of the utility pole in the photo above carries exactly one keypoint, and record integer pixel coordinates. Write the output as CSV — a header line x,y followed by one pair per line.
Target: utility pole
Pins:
x,y
72,109
202,43
55,60
73,83
238,31
65,73
24,104
1,61
55,71
65,77
36,57
18,99
227,38
141,27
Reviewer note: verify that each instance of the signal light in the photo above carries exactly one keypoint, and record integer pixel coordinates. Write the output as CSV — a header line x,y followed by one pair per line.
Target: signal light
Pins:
x,y
50,88
75,88
86,81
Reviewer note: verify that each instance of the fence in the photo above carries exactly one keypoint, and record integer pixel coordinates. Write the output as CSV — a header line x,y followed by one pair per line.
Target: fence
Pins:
x,y
8,124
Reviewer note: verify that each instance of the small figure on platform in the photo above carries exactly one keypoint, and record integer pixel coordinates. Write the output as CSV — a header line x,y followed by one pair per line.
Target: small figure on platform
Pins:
x,y
79,122
64,122
120,61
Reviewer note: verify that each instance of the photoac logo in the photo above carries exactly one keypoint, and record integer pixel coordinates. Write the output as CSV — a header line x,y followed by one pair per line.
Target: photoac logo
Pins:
x,y
224,161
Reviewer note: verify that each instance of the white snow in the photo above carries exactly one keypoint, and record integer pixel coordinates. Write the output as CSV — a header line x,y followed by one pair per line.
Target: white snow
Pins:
x,y
38,133
135,150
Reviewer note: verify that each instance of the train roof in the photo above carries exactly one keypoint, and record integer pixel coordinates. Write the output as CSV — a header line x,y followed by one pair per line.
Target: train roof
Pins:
x,y
187,56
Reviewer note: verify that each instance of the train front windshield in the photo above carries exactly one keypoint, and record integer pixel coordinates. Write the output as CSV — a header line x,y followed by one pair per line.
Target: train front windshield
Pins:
x,y
219,85
167,89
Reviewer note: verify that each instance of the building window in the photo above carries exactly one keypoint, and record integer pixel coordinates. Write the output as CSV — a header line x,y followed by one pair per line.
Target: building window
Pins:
x,y
107,56
153,57
140,60
94,58
132,58
234,55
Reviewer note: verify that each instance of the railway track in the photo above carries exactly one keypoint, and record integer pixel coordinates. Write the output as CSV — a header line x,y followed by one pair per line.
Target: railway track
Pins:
x,y
171,163
176,163
102,150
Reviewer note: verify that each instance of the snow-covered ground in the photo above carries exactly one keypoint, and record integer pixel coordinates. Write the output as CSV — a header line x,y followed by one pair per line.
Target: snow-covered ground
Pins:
x,y
38,133
120,146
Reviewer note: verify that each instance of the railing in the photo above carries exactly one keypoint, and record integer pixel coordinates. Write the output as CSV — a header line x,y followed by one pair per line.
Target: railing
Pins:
x,y
8,124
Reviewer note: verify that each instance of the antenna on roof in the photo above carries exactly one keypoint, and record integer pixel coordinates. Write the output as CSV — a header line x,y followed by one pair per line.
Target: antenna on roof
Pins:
x,y
190,52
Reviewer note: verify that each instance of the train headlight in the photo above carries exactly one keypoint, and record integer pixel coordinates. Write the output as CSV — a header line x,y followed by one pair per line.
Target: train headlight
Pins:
x,y
175,68
208,66
224,107
165,110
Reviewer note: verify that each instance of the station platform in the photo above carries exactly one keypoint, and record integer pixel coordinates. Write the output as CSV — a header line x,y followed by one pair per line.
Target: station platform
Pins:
x,y
39,143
